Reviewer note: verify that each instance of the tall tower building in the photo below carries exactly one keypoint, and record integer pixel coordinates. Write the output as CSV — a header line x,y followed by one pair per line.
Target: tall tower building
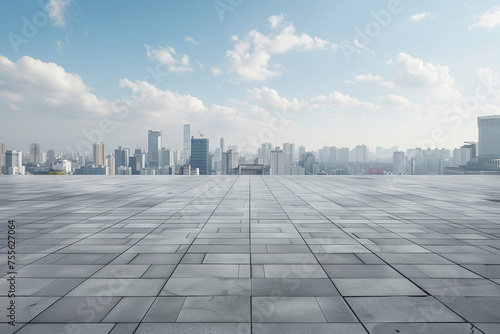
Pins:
x,y
289,149
35,154
3,150
222,145
489,136
398,163
167,157
154,148
229,162
187,143
200,155
14,162
99,154
277,162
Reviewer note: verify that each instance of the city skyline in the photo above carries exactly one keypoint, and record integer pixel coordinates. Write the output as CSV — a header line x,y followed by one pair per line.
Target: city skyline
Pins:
x,y
254,73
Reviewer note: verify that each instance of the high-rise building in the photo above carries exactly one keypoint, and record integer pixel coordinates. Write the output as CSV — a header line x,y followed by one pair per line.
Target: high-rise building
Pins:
x,y
302,150
200,155
489,136
154,149
360,153
277,162
35,153
110,162
14,162
51,156
99,154
266,153
398,163
333,156
3,150
167,157
140,157
187,143
289,149
461,156
229,162
343,154
222,145
121,159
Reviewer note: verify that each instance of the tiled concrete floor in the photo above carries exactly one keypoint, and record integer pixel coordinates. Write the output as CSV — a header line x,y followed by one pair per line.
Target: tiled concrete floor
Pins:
x,y
224,254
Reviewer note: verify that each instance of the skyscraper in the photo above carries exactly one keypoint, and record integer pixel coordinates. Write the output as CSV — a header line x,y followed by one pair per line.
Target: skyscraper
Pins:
x,y
51,156
289,149
489,136
199,155
14,162
277,162
3,150
302,150
222,145
398,162
167,157
343,154
187,143
35,154
229,162
154,148
99,154
360,153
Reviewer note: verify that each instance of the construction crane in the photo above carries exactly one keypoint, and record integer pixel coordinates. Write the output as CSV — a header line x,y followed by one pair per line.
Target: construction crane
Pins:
x,y
201,134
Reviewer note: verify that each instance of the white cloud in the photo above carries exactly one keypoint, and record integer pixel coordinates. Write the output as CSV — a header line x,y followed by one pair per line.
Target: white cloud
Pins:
x,y
367,77
270,100
167,56
395,100
412,72
250,58
216,71
34,86
337,100
420,16
157,102
489,19
57,11
489,80
276,21
191,40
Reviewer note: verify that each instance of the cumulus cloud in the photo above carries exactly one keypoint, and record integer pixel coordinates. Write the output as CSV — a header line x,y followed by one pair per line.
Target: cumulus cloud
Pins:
x,y
339,101
413,72
270,100
367,77
394,100
216,71
420,16
57,11
250,58
172,60
191,40
489,19
38,87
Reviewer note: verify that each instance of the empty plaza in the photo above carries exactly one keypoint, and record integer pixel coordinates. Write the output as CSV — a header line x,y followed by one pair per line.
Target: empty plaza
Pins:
x,y
252,254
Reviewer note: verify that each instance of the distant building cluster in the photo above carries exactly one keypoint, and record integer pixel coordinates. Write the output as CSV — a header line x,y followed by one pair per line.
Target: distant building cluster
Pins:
x,y
196,158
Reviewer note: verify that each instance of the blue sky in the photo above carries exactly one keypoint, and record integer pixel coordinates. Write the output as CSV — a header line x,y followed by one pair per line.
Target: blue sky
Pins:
x,y
317,73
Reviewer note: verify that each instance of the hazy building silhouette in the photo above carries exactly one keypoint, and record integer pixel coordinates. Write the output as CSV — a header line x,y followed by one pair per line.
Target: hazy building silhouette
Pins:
x,y
3,151
277,162
187,143
99,154
35,153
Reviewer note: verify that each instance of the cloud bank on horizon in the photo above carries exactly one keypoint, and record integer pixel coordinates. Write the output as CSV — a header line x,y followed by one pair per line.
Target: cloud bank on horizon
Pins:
x,y
254,77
